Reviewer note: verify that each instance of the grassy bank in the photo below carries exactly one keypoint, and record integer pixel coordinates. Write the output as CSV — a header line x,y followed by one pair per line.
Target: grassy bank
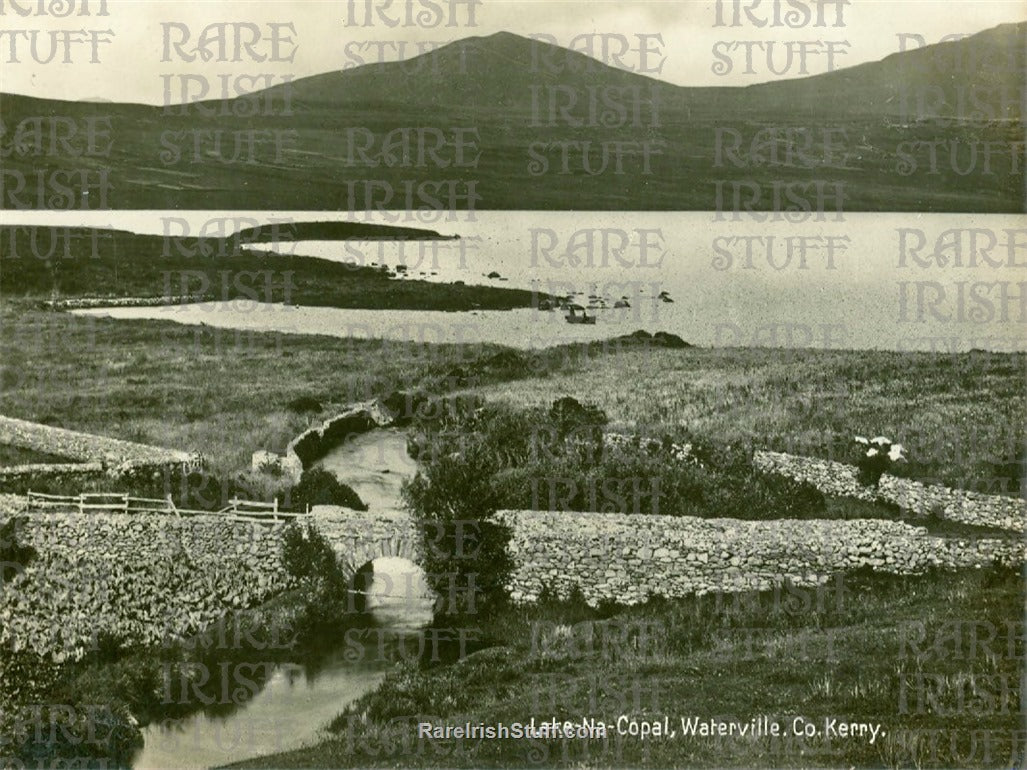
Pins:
x,y
871,648
960,417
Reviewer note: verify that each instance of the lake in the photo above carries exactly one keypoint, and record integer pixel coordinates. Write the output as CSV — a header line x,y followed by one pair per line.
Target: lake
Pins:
x,y
866,282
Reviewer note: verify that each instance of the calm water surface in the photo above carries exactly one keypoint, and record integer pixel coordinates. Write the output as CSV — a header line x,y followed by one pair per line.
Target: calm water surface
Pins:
x,y
732,283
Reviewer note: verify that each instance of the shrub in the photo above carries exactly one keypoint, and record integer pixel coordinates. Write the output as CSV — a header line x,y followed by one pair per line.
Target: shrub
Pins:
x,y
788,498
310,560
495,457
304,404
25,677
453,497
12,552
404,405
306,555
570,416
1011,471
668,340
318,486
81,735
467,563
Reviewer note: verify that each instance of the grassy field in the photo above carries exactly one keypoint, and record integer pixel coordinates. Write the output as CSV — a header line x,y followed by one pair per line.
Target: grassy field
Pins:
x,y
960,417
884,650
196,388
875,649
226,394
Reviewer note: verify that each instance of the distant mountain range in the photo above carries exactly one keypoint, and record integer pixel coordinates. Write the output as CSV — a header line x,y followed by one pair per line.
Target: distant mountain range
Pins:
x,y
513,123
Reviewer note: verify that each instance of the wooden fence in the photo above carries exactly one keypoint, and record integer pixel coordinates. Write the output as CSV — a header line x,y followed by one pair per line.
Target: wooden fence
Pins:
x,y
109,502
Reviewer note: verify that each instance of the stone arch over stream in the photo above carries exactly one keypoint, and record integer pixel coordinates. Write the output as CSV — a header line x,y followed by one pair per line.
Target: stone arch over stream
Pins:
x,y
360,537
628,558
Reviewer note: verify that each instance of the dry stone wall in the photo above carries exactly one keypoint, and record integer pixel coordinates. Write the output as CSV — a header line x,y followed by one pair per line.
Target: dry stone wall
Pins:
x,y
86,447
839,480
144,577
830,477
137,577
960,505
98,456
141,577
626,558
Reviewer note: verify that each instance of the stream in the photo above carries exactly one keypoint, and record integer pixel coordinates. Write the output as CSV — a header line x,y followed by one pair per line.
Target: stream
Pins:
x,y
301,697
375,464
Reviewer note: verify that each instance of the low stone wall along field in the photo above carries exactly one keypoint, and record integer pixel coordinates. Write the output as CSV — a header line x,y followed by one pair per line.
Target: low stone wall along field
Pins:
x,y
840,480
135,577
628,558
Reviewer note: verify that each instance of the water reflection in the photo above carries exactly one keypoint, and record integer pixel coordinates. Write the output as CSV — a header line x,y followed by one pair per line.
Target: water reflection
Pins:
x,y
399,597
300,698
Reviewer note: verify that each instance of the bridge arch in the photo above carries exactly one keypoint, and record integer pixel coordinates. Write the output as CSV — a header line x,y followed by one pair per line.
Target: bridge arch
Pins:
x,y
357,549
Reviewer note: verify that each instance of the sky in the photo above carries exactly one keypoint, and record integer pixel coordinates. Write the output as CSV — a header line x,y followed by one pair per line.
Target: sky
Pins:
x,y
125,55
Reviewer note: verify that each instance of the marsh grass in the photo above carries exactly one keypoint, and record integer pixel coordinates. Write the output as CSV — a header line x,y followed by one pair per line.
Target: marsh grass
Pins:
x,y
219,392
960,416
856,656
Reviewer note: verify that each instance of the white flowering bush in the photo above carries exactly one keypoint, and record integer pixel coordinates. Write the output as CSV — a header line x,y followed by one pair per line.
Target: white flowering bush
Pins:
x,y
618,442
877,456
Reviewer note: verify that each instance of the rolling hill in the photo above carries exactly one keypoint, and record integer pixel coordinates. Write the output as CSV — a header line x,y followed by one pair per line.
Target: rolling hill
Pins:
x,y
505,122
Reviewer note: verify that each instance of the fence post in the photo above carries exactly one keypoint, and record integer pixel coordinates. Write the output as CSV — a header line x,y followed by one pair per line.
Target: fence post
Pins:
x,y
81,504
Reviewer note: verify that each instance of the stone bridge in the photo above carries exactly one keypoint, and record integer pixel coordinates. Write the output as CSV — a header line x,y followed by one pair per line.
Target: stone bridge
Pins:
x,y
118,567
359,537
628,558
